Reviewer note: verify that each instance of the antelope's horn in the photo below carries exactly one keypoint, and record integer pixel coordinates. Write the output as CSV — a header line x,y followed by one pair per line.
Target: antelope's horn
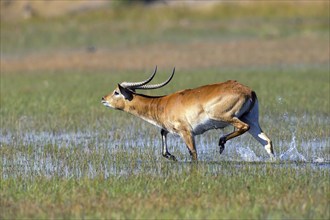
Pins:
x,y
156,86
135,85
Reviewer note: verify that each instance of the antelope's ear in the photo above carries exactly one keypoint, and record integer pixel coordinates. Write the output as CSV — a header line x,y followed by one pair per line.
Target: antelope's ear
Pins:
x,y
125,92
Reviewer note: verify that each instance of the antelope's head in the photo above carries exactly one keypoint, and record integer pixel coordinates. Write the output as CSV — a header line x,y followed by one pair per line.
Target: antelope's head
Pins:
x,y
125,91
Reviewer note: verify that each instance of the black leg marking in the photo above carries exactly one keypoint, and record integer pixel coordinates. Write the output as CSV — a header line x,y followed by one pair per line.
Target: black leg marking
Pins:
x,y
222,142
165,152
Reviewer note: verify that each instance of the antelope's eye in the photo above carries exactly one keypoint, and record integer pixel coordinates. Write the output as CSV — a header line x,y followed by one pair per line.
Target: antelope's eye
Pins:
x,y
116,93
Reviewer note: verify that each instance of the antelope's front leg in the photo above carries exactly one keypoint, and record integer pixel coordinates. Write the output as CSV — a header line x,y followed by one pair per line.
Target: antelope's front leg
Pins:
x,y
165,152
190,142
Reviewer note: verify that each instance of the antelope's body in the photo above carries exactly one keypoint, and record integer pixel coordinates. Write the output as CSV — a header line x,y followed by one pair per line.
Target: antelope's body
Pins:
x,y
194,111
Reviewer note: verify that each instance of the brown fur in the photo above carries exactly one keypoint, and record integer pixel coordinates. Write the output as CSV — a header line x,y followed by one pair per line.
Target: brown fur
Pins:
x,y
193,111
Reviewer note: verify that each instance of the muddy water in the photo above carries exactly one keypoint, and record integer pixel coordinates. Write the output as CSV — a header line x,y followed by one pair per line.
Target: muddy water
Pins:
x,y
91,154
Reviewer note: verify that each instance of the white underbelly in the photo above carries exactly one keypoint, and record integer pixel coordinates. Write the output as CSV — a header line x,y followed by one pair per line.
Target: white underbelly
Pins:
x,y
206,125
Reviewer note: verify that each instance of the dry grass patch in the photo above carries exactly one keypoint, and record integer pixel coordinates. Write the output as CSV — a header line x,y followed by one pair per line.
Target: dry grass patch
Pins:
x,y
191,55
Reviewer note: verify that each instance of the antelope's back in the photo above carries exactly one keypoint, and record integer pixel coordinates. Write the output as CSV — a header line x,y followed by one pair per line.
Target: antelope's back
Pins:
x,y
212,92
208,99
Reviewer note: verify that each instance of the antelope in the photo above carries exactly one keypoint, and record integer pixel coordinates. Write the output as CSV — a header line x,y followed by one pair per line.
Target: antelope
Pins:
x,y
192,112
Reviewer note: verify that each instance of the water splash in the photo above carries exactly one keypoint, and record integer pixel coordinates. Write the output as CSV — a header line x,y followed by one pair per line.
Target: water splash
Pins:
x,y
247,154
292,153
48,154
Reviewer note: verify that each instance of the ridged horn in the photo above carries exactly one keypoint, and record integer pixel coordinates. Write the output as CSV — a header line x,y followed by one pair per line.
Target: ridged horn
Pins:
x,y
156,86
135,85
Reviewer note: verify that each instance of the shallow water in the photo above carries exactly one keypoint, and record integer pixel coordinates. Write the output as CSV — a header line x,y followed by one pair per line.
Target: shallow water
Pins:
x,y
92,154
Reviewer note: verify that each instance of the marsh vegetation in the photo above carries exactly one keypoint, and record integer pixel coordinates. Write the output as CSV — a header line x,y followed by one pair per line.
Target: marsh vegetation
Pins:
x,y
64,155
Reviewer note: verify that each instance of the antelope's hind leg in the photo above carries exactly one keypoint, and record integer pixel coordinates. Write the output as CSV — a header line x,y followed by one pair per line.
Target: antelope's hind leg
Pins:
x,y
252,119
165,152
241,129
262,138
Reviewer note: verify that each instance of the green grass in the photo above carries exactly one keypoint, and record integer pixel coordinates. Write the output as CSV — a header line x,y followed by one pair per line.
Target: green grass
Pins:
x,y
247,191
95,173
64,155
130,26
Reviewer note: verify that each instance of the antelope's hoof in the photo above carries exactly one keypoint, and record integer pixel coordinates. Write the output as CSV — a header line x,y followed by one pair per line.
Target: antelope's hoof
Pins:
x,y
222,142
169,156
222,148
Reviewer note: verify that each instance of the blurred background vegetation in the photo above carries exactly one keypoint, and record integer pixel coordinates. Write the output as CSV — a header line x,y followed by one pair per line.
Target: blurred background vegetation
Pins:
x,y
281,49
194,34
57,48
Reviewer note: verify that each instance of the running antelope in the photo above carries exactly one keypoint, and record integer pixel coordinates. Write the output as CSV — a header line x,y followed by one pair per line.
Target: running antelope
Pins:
x,y
192,112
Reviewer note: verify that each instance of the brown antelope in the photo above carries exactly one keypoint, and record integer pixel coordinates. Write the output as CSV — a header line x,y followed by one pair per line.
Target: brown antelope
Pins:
x,y
192,112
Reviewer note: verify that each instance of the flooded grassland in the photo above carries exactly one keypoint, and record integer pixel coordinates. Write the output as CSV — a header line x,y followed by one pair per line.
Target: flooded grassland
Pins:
x,y
66,158
64,155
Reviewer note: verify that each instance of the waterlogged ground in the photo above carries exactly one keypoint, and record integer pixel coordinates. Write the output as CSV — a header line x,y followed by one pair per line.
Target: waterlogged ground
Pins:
x,y
49,131
94,153
118,172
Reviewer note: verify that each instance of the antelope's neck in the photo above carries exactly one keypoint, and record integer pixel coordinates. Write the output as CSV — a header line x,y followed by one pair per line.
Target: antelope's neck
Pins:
x,y
147,108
